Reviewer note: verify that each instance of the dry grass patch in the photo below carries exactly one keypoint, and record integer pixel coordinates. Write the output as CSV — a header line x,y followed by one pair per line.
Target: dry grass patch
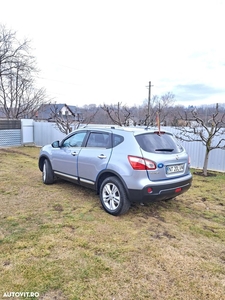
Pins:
x,y
57,240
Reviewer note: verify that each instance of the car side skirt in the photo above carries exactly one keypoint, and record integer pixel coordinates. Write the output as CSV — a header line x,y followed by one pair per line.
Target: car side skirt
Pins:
x,y
65,176
75,179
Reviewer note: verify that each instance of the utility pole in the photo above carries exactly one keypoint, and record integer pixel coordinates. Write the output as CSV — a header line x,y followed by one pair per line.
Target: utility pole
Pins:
x,y
149,97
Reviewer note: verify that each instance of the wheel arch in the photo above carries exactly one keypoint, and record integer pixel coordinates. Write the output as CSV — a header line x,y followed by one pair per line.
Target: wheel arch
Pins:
x,y
41,162
105,174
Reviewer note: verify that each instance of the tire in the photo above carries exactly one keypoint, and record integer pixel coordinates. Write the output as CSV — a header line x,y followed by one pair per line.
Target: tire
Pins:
x,y
47,173
113,196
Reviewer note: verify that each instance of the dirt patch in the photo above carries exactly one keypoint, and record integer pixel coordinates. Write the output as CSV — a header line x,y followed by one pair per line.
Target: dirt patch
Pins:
x,y
200,173
17,151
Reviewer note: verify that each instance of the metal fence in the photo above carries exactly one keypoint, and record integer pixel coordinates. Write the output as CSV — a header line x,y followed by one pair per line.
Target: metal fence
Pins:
x,y
46,133
42,133
197,150
10,133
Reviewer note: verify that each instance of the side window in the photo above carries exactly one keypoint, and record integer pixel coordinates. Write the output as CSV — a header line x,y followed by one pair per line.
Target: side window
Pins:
x,y
98,139
117,139
74,140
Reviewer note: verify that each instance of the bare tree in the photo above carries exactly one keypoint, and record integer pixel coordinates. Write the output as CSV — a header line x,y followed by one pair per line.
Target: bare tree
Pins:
x,y
64,122
18,95
174,115
89,113
118,114
160,106
204,131
10,50
164,104
72,118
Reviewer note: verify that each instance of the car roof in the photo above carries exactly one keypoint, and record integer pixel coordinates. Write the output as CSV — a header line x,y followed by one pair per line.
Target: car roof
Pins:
x,y
116,129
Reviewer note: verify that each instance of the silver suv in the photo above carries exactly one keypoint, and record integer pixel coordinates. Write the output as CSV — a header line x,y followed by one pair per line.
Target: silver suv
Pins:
x,y
123,165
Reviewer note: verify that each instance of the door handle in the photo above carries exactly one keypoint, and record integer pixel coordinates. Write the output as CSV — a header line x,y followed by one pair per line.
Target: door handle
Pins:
x,y
74,153
102,156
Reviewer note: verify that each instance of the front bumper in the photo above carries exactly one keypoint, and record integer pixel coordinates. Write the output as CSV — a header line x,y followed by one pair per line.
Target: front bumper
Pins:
x,y
159,192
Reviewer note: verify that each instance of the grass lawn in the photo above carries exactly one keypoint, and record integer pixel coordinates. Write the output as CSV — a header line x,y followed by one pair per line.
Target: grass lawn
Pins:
x,y
56,241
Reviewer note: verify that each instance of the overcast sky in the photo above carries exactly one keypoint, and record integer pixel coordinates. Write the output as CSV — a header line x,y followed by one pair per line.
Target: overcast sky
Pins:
x,y
107,51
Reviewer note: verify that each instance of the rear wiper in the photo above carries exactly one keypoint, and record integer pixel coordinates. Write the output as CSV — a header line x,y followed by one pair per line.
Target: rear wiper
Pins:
x,y
165,149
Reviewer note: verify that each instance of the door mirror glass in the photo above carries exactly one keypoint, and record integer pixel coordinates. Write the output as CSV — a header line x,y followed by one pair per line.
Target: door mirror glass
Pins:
x,y
56,144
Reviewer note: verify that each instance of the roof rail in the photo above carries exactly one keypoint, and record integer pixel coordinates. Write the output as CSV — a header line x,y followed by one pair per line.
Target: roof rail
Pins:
x,y
112,126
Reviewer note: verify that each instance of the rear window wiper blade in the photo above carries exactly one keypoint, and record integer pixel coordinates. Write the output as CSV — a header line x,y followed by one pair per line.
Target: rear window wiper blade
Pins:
x,y
165,149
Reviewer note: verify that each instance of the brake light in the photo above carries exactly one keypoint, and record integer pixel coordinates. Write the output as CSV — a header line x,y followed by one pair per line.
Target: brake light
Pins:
x,y
139,163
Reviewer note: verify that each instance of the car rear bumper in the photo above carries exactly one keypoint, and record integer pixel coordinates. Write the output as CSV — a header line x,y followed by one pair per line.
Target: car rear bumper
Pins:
x,y
163,191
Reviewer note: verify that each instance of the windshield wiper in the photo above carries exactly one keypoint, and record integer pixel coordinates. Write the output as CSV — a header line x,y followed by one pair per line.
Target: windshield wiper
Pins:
x,y
165,149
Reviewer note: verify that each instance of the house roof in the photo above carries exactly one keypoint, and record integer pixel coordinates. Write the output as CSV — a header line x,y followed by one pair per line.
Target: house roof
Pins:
x,y
46,111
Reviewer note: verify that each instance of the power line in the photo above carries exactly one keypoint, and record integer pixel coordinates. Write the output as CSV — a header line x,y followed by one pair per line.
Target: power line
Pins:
x,y
57,80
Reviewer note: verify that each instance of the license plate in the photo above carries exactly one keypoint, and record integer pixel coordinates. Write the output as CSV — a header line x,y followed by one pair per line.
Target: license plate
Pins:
x,y
174,169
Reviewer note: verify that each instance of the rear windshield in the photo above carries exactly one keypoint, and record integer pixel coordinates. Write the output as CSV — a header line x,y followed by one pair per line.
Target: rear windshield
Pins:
x,y
158,143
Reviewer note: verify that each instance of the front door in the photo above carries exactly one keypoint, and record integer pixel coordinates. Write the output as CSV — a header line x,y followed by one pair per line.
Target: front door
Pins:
x,y
64,159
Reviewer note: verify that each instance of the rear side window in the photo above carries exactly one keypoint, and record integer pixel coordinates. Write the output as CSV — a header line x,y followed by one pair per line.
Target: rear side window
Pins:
x,y
98,139
117,139
158,143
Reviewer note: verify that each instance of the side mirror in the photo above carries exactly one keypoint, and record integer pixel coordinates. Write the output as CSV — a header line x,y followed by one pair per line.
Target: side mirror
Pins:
x,y
56,144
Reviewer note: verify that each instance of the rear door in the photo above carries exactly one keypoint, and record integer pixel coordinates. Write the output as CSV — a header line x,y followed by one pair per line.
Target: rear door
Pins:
x,y
170,158
94,157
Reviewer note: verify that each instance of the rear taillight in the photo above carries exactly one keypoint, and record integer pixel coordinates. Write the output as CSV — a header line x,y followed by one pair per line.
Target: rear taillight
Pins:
x,y
139,163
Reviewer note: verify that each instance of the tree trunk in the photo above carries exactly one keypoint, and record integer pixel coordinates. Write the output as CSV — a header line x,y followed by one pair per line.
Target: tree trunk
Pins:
x,y
205,166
